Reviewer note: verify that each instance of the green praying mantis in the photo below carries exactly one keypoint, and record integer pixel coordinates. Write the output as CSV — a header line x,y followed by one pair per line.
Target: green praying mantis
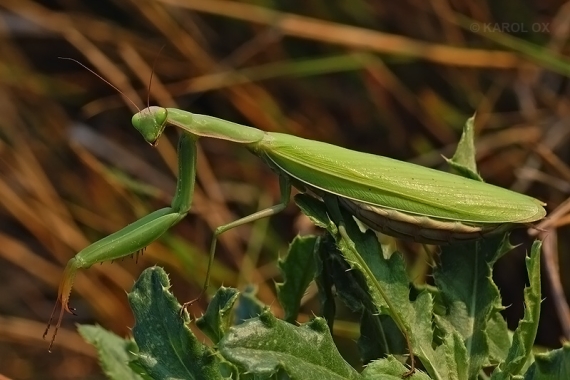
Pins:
x,y
390,196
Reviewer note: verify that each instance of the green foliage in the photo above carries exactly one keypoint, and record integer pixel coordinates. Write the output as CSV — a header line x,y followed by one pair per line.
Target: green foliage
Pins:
x,y
267,346
463,161
218,317
552,365
298,268
115,353
524,335
454,329
167,347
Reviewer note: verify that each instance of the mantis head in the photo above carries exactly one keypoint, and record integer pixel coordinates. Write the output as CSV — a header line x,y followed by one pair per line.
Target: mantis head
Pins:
x,y
150,122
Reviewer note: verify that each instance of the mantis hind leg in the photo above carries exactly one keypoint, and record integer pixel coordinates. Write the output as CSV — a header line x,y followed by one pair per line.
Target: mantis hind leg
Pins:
x,y
285,189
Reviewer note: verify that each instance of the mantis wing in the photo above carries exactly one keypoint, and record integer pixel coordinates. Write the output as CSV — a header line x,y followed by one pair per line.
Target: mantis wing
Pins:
x,y
396,184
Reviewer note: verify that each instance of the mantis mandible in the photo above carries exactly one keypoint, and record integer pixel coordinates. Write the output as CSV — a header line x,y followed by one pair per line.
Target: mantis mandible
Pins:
x,y
390,196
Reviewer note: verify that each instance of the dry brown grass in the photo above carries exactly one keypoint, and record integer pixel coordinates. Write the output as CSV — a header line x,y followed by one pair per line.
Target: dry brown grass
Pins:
x,y
392,78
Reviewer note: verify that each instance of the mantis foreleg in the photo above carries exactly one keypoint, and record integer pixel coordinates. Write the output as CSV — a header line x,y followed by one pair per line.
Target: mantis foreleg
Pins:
x,y
136,236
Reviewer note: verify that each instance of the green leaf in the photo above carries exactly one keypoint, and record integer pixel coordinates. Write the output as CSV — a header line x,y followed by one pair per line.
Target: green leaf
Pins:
x,y
379,336
139,369
323,278
349,285
167,347
499,338
523,338
379,279
114,352
455,353
314,209
218,317
553,365
463,161
387,279
298,269
266,346
249,306
390,369
504,247
469,295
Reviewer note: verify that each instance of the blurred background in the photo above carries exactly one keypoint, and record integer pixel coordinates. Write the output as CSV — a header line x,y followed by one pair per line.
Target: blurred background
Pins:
x,y
391,78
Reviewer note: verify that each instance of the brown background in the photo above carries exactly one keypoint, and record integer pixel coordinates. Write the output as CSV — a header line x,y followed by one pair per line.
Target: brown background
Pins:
x,y
392,78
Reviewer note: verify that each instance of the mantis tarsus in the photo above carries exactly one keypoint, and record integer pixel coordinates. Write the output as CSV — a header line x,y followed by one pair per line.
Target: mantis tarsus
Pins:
x,y
390,196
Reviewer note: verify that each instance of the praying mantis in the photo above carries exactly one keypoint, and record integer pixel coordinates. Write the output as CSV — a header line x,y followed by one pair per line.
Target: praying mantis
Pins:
x,y
390,196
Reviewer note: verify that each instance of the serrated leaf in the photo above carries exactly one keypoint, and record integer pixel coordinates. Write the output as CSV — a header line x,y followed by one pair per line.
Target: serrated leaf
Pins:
x,y
504,247
324,280
249,306
553,365
499,338
218,316
265,345
523,338
455,353
350,285
314,209
139,369
463,161
167,347
384,279
387,279
379,336
114,352
298,270
469,295
390,369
